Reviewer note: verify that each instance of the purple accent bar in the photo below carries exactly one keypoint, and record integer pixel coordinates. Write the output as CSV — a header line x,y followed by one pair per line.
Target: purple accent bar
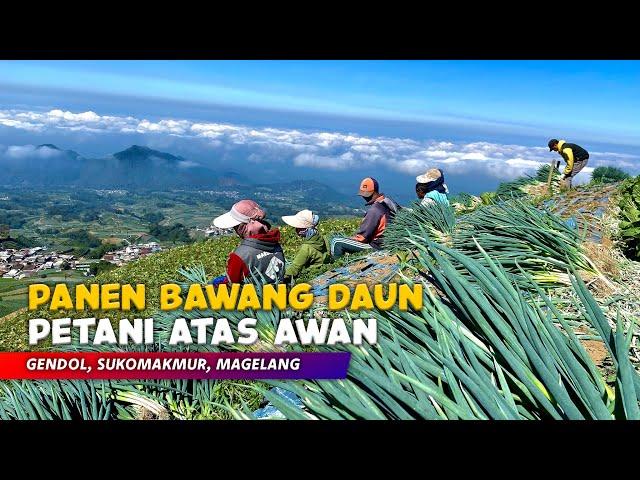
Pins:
x,y
174,365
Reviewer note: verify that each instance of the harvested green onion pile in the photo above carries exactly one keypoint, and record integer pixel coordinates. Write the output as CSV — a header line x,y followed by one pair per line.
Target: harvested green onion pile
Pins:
x,y
518,187
480,352
514,232
520,236
436,220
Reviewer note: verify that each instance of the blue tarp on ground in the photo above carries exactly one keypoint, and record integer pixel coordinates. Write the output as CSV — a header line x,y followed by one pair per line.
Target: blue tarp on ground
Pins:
x,y
571,223
271,412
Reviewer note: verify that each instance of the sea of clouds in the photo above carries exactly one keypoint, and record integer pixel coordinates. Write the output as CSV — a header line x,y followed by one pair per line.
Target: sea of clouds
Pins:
x,y
316,149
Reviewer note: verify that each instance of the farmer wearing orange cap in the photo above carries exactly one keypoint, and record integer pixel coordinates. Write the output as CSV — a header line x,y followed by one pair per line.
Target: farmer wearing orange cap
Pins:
x,y
369,235
259,251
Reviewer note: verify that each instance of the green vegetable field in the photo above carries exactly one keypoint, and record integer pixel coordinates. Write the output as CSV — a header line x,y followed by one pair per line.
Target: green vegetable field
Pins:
x,y
629,203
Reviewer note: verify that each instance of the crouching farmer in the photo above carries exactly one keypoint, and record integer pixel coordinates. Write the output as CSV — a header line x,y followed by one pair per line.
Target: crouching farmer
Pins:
x,y
369,235
314,250
259,251
431,187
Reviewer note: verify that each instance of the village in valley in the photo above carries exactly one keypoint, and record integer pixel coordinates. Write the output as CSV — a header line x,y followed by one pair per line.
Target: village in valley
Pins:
x,y
131,252
19,263
29,262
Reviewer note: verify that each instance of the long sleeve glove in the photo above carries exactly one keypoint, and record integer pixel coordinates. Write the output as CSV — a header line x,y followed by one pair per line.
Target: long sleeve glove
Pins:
x,y
218,280
568,156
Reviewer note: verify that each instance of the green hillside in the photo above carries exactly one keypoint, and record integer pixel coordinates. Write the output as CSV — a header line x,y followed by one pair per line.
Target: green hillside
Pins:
x,y
211,254
530,312
153,271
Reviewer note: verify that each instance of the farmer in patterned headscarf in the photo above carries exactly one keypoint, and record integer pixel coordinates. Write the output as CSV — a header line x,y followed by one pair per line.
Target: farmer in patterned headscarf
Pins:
x,y
259,251
430,187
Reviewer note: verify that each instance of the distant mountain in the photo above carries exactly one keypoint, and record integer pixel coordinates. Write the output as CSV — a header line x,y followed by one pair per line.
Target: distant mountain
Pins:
x,y
136,167
143,168
47,145
43,165
51,146
136,153
232,179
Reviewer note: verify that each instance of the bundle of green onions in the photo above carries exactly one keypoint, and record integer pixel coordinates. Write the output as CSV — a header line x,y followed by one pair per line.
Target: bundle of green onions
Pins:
x,y
520,236
51,400
519,187
514,232
435,220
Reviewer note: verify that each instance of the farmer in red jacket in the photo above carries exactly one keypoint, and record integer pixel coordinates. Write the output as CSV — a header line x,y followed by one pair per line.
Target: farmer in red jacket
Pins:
x,y
259,251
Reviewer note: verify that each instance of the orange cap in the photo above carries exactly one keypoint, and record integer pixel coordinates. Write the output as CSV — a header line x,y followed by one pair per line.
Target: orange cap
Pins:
x,y
368,187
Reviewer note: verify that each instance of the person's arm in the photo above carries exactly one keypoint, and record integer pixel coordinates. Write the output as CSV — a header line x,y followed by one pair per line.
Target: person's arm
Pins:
x,y
237,270
427,201
299,262
567,153
368,226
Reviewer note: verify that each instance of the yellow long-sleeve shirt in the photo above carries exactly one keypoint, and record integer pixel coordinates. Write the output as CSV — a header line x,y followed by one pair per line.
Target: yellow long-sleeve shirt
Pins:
x,y
567,154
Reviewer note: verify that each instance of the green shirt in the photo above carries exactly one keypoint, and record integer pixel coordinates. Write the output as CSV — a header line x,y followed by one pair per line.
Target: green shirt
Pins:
x,y
313,251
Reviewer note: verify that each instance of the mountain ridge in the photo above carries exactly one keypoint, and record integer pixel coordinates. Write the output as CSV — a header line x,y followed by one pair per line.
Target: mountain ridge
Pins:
x,y
141,167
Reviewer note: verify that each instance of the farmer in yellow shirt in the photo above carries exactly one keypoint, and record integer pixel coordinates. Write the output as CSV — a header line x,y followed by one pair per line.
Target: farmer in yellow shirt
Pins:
x,y
575,156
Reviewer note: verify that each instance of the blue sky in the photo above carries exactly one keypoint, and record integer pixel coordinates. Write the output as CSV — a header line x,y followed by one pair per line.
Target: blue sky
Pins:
x,y
595,103
582,97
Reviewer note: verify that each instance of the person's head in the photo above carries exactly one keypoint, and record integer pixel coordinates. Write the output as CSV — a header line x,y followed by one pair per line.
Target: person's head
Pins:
x,y
553,145
245,217
421,190
432,179
369,190
305,222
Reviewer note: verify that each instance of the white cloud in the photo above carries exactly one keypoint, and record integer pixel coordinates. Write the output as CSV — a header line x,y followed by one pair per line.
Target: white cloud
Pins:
x,y
90,117
188,164
318,149
18,152
9,122
475,156
436,153
412,166
178,127
521,162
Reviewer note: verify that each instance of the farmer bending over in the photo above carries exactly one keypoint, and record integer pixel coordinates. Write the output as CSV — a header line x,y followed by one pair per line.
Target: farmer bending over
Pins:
x,y
575,156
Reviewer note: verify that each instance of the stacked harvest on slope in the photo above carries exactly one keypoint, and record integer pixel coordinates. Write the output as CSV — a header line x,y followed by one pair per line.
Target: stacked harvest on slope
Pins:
x,y
529,185
515,233
483,350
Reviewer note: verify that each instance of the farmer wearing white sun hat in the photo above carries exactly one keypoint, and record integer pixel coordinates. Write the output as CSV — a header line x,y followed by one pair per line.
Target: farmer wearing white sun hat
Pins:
x,y
314,249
